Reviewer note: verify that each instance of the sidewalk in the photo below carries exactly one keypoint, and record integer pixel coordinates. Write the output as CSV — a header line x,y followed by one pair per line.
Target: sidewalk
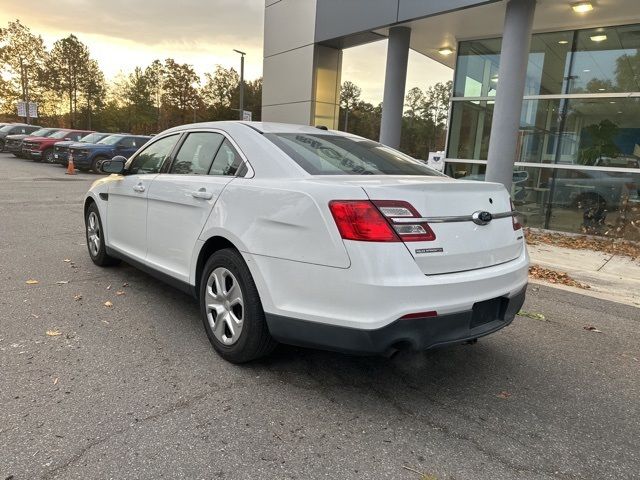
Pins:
x,y
610,277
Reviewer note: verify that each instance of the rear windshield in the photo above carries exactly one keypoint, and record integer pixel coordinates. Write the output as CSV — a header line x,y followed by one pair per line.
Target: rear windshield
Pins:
x,y
339,155
7,128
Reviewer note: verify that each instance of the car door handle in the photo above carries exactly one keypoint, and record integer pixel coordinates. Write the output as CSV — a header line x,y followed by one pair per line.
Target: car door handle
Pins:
x,y
139,188
202,193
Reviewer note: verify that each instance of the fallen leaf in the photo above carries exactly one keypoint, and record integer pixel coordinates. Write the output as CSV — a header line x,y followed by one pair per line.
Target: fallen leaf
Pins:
x,y
535,316
34,315
55,381
125,284
54,333
109,287
62,282
108,304
77,297
74,266
581,242
553,276
503,394
32,282
67,260
591,328
120,292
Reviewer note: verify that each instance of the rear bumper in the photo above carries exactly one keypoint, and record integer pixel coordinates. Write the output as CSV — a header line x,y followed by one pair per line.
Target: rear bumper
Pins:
x,y
418,333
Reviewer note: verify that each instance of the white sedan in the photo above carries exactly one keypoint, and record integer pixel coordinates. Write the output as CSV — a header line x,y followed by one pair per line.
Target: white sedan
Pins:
x,y
294,234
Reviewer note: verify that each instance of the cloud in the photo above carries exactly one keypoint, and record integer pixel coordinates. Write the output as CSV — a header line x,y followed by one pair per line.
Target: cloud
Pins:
x,y
148,23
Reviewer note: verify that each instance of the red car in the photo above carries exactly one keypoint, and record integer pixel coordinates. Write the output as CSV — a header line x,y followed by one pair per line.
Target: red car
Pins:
x,y
41,148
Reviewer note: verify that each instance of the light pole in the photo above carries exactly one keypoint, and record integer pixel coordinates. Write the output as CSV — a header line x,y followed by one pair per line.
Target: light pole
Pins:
x,y
242,54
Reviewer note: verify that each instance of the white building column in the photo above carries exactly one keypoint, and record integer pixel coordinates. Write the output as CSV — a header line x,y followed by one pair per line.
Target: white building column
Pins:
x,y
394,83
514,56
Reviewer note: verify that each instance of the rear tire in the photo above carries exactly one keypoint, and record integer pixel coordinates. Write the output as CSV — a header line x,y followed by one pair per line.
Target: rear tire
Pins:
x,y
231,309
95,238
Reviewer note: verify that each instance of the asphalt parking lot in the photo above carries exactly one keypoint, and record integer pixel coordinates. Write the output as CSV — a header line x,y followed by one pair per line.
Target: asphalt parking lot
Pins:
x,y
135,391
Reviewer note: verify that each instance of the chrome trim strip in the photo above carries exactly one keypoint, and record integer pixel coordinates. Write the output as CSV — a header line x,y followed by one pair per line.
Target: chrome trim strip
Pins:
x,y
451,218
559,166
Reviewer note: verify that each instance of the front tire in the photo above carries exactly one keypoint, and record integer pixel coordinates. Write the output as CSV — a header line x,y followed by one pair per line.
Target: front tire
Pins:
x,y
95,164
95,238
231,309
47,156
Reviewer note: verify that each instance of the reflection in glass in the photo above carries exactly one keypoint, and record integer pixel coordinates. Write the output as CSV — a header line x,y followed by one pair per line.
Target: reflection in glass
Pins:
x,y
588,201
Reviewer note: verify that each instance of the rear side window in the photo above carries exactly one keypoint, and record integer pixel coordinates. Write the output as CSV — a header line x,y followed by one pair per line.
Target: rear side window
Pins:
x,y
227,161
153,156
197,153
339,155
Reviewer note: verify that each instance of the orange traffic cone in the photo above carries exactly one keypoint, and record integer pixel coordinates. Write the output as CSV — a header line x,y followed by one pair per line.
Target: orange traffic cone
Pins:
x,y
71,169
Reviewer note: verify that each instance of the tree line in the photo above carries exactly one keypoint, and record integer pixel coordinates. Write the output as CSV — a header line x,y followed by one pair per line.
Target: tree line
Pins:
x,y
71,89
424,123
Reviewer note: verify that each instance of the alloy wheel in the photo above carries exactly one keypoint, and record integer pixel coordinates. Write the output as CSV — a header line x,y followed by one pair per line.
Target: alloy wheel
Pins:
x,y
224,306
93,234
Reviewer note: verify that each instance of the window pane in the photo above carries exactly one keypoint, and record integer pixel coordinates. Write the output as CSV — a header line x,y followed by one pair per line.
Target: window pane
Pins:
x,y
196,153
470,128
571,200
227,160
594,131
477,65
607,60
151,158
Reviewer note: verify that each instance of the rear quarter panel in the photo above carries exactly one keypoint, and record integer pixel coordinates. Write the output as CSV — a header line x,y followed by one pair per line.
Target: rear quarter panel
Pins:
x,y
286,219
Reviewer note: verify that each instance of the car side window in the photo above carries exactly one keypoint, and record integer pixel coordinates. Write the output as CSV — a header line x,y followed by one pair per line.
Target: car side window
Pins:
x,y
127,142
196,153
151,158
227,160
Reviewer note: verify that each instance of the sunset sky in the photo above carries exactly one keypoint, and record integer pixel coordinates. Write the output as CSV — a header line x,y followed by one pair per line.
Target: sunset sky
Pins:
x,y
123,34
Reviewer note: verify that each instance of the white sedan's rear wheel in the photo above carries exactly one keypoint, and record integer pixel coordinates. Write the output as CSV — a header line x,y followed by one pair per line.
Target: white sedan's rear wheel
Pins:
x,y
231,309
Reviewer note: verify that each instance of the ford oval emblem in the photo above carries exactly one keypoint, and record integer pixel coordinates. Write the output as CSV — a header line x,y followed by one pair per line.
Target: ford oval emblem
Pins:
x,y
481,217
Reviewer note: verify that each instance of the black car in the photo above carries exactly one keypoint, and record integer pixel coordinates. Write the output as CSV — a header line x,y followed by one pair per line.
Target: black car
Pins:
x,y
15,129
13,143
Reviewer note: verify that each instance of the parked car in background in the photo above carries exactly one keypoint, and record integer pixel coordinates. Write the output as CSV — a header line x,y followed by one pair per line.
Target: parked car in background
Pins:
x,y
61,149
13,143
89,157
41,149
622,161
315,238
15,129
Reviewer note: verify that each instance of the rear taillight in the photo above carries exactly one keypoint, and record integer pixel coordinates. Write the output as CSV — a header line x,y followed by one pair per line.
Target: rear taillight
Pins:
x,y
380,221
361,220
514,218
405,220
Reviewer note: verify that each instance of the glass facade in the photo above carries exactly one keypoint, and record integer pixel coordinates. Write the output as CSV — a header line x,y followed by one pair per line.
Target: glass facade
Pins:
x,y
578,155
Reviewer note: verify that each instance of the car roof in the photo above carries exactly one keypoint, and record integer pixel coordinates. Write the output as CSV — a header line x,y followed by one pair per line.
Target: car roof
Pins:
x,y
260,127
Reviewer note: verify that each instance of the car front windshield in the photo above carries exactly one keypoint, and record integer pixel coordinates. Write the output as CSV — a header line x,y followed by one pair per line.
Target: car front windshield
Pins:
x,y
327,154
92,138
59,134
43,132
110,140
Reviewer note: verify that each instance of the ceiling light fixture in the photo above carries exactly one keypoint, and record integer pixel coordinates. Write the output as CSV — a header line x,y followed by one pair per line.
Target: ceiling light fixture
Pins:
x,y
563,42
582,7
445,51
586,70
598,38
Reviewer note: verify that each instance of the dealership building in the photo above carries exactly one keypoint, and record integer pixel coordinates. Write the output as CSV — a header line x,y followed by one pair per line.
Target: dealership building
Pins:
x,y
546,96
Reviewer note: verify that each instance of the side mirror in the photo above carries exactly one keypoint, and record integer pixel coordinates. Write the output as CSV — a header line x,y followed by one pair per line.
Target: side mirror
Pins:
x,y
115,165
